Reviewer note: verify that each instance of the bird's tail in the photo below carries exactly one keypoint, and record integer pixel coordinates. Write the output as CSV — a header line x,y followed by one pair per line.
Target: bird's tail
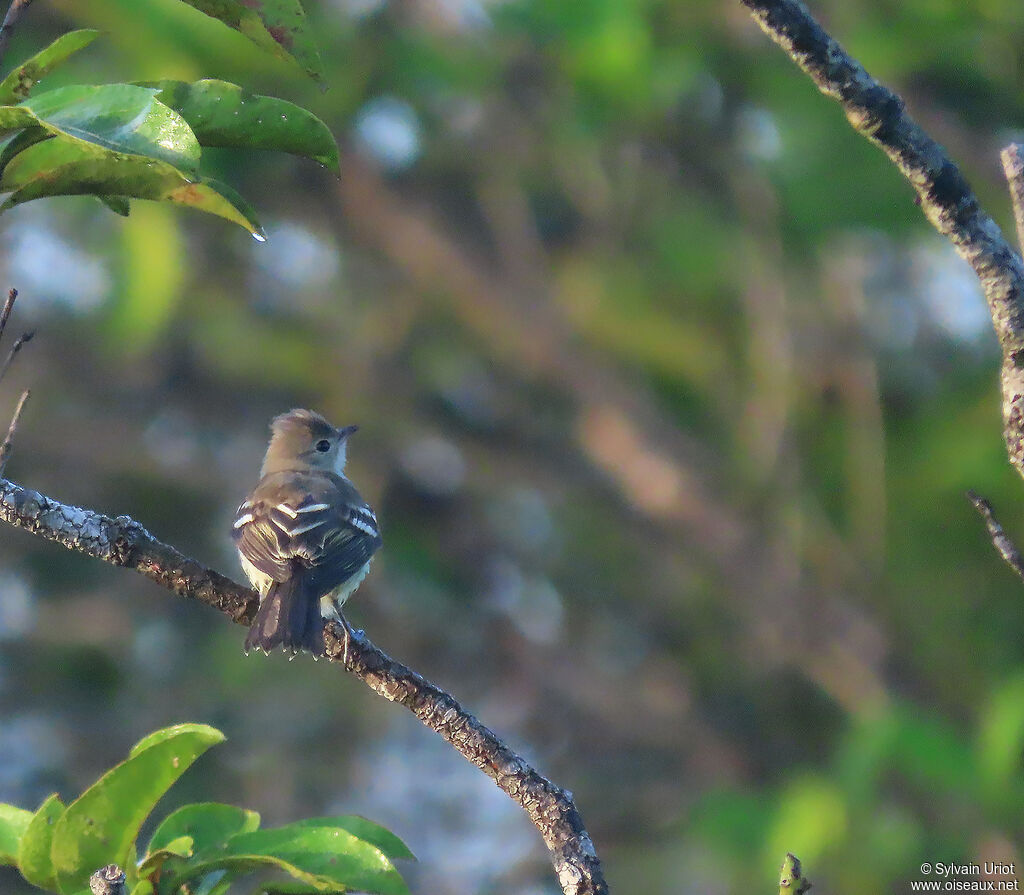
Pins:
x,y
289,616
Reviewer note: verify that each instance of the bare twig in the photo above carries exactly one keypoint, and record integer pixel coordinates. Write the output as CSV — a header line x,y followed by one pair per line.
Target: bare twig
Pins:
x,y
945,197
8,443
107,880
1000,540
15,348
5,314
1013,168
123,542
14,12
792,881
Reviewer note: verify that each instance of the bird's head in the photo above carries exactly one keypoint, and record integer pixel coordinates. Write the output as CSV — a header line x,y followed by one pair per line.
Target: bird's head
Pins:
x,y
304,440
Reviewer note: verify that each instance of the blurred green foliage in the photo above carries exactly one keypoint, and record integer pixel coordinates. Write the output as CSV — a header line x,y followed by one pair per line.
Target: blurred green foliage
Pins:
x,y
669,399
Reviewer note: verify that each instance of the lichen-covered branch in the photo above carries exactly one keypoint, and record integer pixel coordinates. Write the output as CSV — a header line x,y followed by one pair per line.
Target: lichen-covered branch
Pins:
x,y
946,199
1013,168
107,880
121,541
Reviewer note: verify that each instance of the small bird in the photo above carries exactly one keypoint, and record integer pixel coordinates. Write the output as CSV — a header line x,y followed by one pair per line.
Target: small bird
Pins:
x,y
304,535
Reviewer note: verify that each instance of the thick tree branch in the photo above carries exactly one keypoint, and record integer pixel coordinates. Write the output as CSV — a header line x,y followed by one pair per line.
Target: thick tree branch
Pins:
x,y
123,542
946,199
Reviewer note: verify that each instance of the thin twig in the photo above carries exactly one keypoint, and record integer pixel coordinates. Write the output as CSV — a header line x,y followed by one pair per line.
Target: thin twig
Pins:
x,y
15,348
8,443
123,542
14,12
792,880
1000,539
1013,168
5,314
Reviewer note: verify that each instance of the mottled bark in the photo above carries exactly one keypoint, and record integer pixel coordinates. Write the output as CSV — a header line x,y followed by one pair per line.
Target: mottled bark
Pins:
x,y
944,195
1013,168
121,541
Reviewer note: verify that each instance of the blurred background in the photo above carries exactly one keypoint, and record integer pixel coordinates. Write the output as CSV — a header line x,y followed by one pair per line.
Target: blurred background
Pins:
x,y
668,396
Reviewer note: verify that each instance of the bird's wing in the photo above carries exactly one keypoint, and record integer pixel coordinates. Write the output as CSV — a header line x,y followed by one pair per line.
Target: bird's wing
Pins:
x,y
345,549
330,535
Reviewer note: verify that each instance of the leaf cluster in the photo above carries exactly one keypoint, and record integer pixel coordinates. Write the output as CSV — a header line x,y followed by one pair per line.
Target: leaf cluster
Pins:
x,y
144,141
201,847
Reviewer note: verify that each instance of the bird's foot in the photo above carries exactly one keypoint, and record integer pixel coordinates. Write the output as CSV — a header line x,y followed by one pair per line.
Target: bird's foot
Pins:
x,y
349,634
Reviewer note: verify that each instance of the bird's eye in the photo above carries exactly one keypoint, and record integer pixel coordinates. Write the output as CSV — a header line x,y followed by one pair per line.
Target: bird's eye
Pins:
x,y
323,445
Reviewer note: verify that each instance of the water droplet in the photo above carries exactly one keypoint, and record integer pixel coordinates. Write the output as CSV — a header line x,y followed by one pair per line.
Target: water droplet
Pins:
x,y
258,236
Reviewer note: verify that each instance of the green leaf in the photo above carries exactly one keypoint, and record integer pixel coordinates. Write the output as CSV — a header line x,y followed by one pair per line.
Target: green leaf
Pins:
x,y
223,114
59,167
291,887
221,886
123,118
277,26
130,867
323,857
218,198
34,860
94,149
182,847
16,86
364,829
117,204
209,824
13,823
144,887
20,142
14,118
173,732
101,826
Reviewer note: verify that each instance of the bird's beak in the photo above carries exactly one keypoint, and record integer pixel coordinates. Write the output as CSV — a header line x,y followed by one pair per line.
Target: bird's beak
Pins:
x,y
347,430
